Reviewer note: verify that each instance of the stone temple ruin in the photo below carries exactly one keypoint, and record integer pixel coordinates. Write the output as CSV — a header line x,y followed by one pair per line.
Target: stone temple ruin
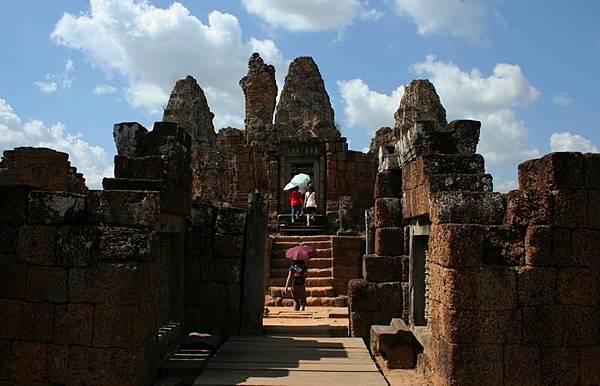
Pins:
x,y
469,286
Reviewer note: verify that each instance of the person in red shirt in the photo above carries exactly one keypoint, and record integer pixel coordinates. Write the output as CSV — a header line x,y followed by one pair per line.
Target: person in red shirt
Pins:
x,y
296,203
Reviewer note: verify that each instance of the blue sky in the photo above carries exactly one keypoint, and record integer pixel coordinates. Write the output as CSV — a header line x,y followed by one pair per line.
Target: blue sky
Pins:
x,y
527,69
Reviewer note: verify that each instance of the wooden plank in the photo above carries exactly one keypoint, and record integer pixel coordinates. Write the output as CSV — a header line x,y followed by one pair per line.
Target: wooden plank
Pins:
x,y
336,367
284,377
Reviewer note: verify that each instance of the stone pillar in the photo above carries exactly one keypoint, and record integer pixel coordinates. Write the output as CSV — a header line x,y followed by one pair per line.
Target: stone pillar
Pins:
x,y
253,276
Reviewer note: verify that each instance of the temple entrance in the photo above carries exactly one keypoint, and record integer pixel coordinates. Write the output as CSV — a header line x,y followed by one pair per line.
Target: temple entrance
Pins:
x,y
310,167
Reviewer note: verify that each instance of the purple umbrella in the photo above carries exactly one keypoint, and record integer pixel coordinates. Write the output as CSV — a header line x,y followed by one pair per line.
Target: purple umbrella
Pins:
x,y
301,252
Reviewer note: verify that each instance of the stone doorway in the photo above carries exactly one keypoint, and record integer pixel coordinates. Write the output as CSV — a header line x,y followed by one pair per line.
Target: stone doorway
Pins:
x,y
293,166
418,280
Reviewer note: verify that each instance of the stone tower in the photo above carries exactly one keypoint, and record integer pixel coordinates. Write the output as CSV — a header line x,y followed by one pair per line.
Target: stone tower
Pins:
x,y
304,109
420,102
260,90
189,109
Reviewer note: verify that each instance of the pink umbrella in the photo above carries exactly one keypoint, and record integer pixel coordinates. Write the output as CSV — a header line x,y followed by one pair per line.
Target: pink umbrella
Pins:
x,y
301,252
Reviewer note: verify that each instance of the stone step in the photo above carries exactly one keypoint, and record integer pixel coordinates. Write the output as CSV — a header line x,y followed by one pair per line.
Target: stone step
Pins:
x,y
339,301
298,239
321,253
312,263
310,282
284,245
312,272
315,292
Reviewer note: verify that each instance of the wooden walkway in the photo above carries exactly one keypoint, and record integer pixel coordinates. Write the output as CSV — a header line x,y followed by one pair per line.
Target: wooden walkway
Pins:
x,y
287,360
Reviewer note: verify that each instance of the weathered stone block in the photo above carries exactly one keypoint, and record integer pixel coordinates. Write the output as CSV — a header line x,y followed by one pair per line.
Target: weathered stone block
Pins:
x,y
485,365
29,362
401,268
36,245
389,297
229,246
562,247
538,246
388,183
385,318
582,325
9,238
74,324
121,243
362,296
593,208
558,367
14,203
108,366
18,320
585,247
56,208
114,283
123,207
543,326
388,212
394,345
522,365
230,221
389,241
486,288
504,245
227,271
578,286
589,370
476,327
13,277
453,181
46,284
570,208
360,323
436,163
378,269
529,207
467,208
117,326
58,363
76,246
457,245
536,286
5,358
554,171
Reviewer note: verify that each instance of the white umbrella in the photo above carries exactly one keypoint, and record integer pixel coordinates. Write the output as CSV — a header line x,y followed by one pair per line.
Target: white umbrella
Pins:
x,y
300,180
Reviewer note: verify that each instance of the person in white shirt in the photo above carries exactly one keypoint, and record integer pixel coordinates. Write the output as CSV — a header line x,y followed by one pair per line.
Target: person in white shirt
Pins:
x,y
310,204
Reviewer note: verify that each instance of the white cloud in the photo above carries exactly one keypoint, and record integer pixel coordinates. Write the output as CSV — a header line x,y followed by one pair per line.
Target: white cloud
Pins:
x,y
367,109
460,18
308,15
63,79
47,87
152,47
567,141
490,99
503,186
104,89
371,14
562,99
91,160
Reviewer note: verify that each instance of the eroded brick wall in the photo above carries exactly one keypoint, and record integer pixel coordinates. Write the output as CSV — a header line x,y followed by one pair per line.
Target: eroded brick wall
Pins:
x,y
214,269
382,293
41,168
515,278
77,298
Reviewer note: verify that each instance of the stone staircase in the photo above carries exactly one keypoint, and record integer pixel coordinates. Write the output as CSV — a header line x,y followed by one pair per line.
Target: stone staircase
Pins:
x,y
319,284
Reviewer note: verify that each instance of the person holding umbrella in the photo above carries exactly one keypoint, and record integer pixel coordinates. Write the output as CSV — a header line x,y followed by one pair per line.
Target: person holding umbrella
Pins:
x,y
297,274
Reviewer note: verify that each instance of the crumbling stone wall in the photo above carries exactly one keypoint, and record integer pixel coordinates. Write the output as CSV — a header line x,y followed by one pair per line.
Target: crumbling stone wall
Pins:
x,y
382,293
515,280
42,168
76,270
